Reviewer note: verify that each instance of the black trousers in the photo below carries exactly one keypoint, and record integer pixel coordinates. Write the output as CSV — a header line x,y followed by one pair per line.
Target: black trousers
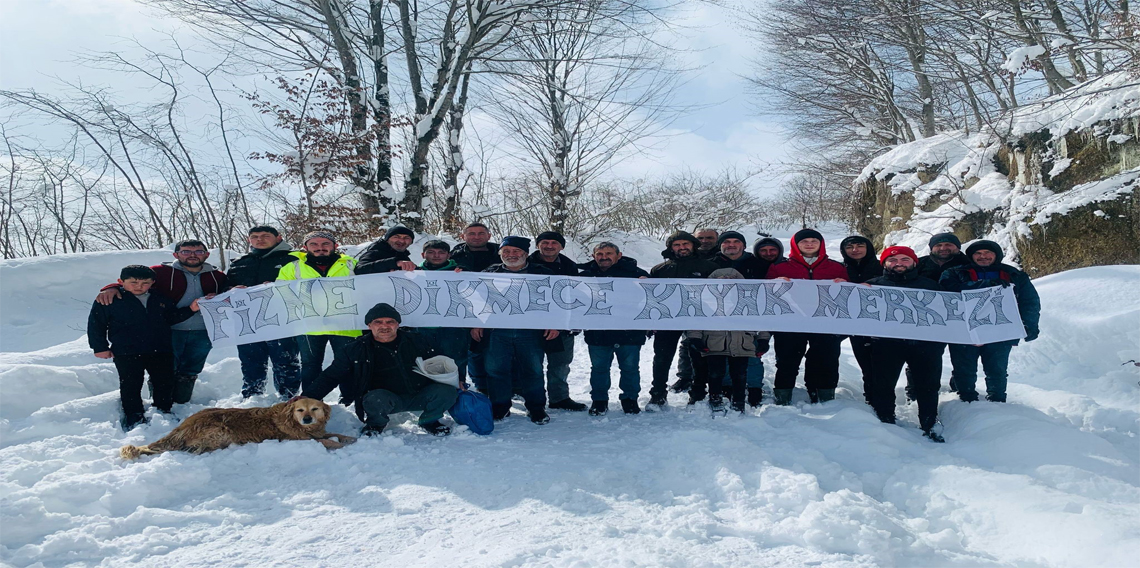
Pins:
x,y
664,346
925,361
737,368
821,370
861,347
160,367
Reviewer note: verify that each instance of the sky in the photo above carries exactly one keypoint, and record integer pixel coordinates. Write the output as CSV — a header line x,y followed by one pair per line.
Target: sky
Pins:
x,y
40,38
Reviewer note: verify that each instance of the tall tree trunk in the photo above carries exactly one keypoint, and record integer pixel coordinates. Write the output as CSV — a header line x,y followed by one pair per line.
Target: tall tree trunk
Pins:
x,y
454,158
382,114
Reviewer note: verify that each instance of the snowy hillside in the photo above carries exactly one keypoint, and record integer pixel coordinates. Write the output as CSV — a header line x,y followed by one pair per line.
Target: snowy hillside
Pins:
x,y
1050,479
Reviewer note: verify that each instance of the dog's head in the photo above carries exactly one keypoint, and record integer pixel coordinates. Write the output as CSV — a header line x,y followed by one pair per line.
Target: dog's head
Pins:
x,y
309,413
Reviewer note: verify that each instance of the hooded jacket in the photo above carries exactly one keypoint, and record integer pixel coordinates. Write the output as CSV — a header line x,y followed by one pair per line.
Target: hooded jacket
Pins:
x,y
365,363
909,279
380,257
170,280
765,242
692,266
475,260
728,343
259,266
974,277
859,271
625,267
796,268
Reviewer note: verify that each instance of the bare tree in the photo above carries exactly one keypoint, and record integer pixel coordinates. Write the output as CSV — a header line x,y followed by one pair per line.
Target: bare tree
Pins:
x,y
582,83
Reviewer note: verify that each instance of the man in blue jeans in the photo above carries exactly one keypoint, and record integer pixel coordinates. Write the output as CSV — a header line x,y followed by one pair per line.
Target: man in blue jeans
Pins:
x,y
514,356
605,345
986,270
267,254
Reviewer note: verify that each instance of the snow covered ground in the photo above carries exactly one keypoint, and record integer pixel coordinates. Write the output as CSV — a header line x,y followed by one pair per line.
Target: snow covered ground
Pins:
x,y
1050,479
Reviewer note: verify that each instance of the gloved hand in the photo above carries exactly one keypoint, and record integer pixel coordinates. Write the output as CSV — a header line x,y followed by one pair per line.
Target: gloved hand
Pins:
x,y
1031,333
699,345
761,346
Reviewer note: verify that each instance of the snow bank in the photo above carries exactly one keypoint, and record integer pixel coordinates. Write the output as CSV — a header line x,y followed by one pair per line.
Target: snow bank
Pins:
x,y
1046,480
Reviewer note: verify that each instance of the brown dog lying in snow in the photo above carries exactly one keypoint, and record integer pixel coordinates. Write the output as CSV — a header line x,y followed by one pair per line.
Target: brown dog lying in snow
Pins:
x,y
217,428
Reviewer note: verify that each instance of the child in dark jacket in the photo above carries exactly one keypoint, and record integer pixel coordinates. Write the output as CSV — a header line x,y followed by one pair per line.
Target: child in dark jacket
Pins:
x,y
139,341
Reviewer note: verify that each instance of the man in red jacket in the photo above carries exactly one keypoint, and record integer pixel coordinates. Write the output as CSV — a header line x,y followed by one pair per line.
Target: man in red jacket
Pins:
x,y
186,279
807,261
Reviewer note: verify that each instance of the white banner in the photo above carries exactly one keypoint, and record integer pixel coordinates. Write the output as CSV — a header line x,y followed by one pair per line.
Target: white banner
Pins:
x,y
523,301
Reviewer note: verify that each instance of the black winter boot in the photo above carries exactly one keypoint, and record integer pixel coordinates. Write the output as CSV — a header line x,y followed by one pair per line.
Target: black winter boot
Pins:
x,y
568,404
500,410
934,436
738,406
681,385
783,397
629,406
599,408
184,388
716,404
825,394
539,416
755,397
371,431
435,428
813,396
657,402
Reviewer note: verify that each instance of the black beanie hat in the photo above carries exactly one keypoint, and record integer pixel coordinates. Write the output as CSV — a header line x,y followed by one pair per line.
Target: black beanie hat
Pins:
x,y
517,242
945,238
729,235
381,310
551,236
806,234
399,230
985,245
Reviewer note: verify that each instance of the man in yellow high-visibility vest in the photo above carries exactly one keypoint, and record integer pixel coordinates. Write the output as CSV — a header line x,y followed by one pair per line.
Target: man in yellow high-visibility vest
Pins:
x,y
318,259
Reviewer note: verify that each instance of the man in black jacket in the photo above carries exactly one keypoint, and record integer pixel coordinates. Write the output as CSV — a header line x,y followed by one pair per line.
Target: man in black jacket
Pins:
x,y
377,374
923,357
859,258
549,254
514,356
768,249
732,255
945,253
388,253
605,345
985,270
681,262
475,254
267,254
135,332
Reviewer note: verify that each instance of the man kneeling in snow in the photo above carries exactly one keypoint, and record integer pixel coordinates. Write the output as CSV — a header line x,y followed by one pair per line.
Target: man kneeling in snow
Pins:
x,y
376,373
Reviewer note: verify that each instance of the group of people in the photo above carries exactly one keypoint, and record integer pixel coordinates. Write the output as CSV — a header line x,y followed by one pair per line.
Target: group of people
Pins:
x,y
375,370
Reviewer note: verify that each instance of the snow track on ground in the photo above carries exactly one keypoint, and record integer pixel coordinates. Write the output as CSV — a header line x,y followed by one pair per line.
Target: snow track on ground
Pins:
x,y
1050,479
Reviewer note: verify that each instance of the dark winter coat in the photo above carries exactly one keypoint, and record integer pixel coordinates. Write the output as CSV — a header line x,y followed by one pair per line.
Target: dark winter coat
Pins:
x,y
133,329
866,268
171,282
531,268
750,266
765,242
796,268
259,267
909,279
932,270
687,267
475,260
973,277
380,257
625,267
562,266
366,364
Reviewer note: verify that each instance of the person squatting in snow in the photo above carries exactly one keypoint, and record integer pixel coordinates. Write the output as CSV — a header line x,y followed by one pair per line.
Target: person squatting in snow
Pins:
x,y
375,371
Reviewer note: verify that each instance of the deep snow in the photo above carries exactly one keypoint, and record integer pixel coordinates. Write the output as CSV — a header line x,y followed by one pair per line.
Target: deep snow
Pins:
x,y
1050,479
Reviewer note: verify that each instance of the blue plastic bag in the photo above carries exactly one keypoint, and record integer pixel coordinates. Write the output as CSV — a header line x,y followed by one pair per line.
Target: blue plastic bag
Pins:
x,y
473,410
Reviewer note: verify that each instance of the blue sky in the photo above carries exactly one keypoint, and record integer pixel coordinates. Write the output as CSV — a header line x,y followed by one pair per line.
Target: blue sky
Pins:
x,y
38,40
